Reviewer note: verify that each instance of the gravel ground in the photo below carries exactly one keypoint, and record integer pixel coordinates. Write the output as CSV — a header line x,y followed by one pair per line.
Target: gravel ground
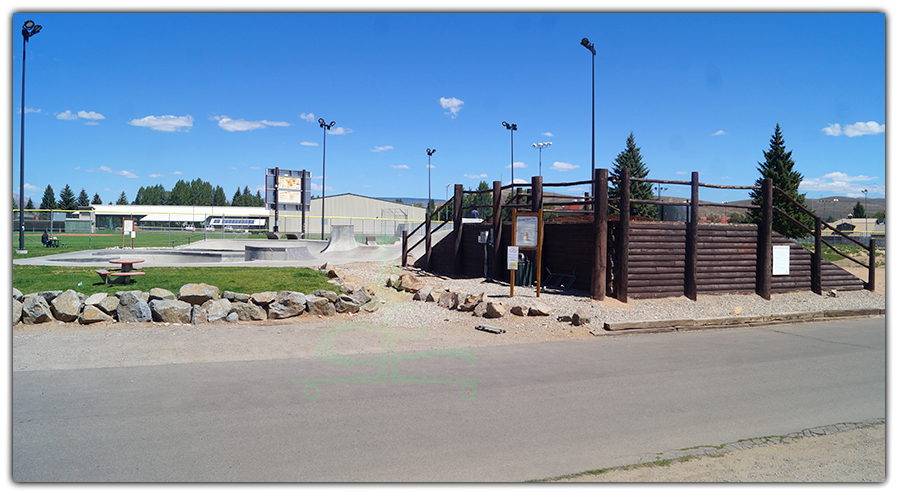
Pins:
x,y
851,455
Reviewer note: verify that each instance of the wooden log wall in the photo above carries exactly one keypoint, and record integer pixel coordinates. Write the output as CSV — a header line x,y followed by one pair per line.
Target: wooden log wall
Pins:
x,y
656,259
726,258
800,277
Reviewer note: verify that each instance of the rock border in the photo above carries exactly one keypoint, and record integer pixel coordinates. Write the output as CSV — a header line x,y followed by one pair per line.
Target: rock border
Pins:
x,y
193,304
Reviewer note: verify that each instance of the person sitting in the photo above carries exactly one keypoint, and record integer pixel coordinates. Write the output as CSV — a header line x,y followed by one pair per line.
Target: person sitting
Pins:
x,y
45,239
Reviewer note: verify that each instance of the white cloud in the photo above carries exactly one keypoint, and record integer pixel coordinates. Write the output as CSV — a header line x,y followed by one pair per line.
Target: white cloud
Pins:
x,y
307,143
165,123
104,168
476,176
241,125
90,115
721,132
548,134
519,164
311,118
340,131
563,166
177,173
841,184
67,115
400,166
855,130
682,172
154,175
30,110
381,149
77,168
254,168
452,105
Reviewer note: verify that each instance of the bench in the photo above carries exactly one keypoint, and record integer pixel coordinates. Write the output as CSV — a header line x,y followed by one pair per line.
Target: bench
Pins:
x,y
291,236
270,235
104,275
127,276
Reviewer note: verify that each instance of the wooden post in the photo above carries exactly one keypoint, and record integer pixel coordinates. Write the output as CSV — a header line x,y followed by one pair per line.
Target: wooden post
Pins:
x,y
870,285
622,237
817,259
428,240
457,229
496,200
598,271
537,193
690,265
512,272
404,247
764,244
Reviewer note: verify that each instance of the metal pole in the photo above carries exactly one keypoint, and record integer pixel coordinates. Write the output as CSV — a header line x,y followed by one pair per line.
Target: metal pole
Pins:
x,y
323,181
512,162
22,157
593,119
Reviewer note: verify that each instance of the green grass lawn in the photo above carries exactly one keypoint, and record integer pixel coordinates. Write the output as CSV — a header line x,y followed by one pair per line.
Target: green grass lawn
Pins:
x,y
30,279
75,243
855,251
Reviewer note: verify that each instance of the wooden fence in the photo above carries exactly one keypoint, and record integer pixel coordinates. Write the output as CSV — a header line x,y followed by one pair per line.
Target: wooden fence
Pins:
x,y
623,257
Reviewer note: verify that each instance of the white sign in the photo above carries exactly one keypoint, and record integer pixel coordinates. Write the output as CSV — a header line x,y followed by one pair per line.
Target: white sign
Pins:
x,y
527,231
128,225
512,258
781,260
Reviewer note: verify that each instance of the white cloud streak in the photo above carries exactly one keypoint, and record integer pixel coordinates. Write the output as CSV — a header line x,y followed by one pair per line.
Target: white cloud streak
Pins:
x,y
563,166
241,125
855,130
452,105
400,167
311,118
548,134
307,143
841,184
381,149
165,123
340,131
104,168
476,176
720,132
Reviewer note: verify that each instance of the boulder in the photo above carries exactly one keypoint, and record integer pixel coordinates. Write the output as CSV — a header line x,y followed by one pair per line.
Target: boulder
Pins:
x,y
248,311
395,282
161,294
479,309
287,304
328,294
346,304
422,293
320,306
539,309
49,296
471,302
216,310
519,310
361,294
579,317
132,308
17,295
448,300
171,311
495,310
232,317
410,283
92,314
198,293
263,298
95,299
434,295
35,310
235,296
16,311
66,306
198,315
108,305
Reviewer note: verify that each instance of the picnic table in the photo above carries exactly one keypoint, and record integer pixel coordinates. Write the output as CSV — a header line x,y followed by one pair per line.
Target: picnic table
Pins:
x,y
126,271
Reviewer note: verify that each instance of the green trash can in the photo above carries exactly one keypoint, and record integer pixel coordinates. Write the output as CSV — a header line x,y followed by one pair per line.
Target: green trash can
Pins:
x,y
525,274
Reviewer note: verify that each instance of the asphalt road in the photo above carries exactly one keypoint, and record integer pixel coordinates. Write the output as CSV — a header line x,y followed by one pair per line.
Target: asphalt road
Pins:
x,y
504,413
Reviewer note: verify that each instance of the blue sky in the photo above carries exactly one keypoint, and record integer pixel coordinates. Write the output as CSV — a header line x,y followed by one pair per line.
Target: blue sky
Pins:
x,y
119,101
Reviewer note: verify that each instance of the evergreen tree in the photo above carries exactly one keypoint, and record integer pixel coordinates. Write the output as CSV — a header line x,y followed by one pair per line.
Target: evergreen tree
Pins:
x,y
67,199
859,211
260,201
237,199
479,199
83,199
219,199
96,200
779,167
181,194
49,200
29,205
631,158
123,200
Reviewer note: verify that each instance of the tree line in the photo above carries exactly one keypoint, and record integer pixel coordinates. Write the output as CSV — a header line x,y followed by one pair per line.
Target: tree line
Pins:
x,y
195,192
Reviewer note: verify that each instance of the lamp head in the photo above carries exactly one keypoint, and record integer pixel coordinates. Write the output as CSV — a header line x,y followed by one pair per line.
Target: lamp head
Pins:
x,y
331,124
29,24
588,45
535,145
321,121
505,124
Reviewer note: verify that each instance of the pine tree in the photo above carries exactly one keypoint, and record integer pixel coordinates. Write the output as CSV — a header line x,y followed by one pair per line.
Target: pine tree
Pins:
x,y
219,199
859,211
29,205
237,199
780,168
83,199
631,158
67,199
123,200
49,200
96,200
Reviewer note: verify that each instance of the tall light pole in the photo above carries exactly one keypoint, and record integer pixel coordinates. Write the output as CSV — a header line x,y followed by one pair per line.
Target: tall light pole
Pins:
x,y
29,29
512,164
540,146
446,197
429,152
834,209
325,128
866,193
590,46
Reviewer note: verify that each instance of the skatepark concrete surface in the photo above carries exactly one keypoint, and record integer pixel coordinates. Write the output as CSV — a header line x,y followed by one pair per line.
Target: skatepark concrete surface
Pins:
x,y
341,248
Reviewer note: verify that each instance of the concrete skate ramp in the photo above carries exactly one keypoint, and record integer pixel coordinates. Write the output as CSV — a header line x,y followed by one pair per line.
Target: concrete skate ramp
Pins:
x,y
342,239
